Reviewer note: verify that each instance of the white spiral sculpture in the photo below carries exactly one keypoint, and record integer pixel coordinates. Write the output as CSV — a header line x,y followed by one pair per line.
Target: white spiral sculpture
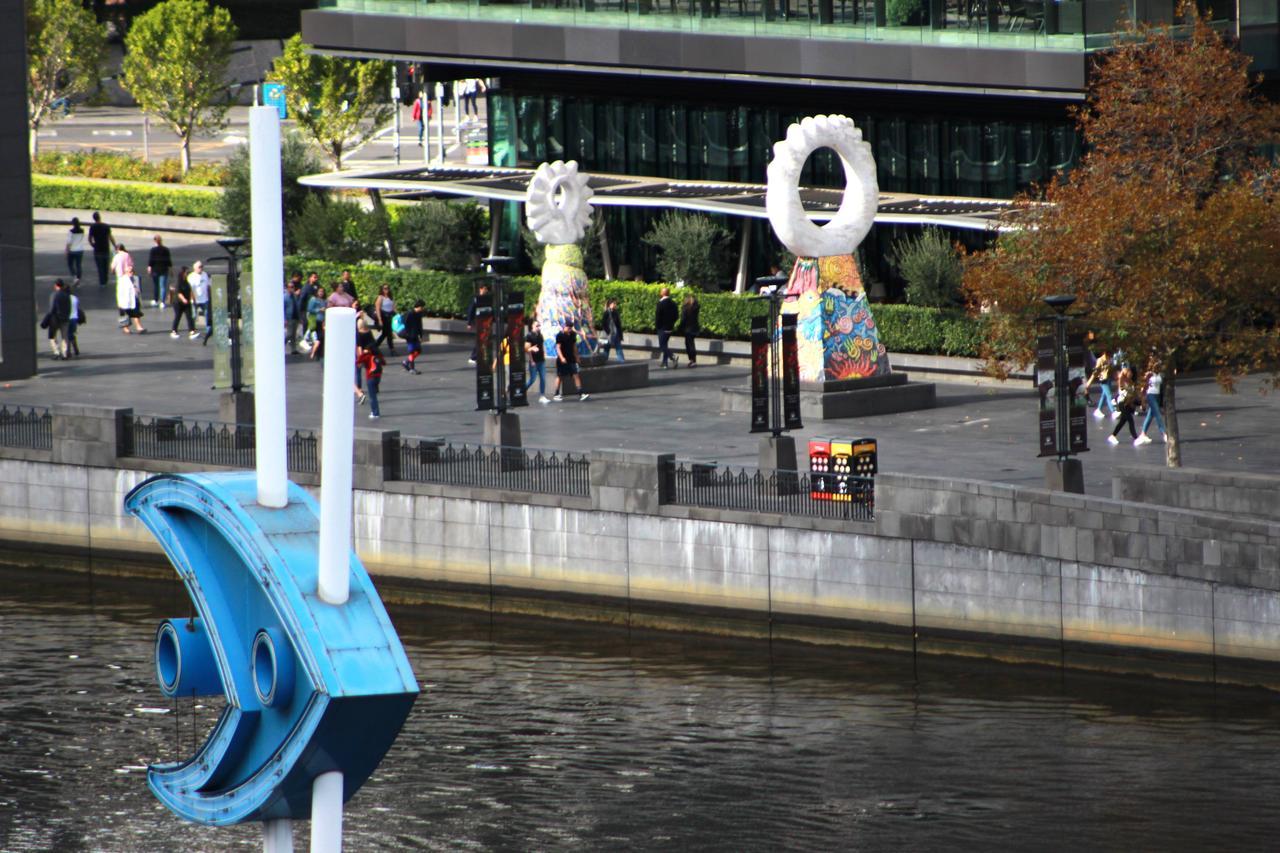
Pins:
x,y
857,210
558,203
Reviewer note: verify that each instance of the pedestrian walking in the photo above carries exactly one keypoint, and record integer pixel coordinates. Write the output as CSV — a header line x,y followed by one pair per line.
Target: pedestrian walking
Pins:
x,y
664,321
294,314
1127,399
420,113
1102,374
181,300
122,263
612,327
535,350
76,321
57,319
102,244
202,298
159,263
315,318
567,361
689,326
315,322
343,295
128,301
75,251
386,307
1155,404
412,334
371,360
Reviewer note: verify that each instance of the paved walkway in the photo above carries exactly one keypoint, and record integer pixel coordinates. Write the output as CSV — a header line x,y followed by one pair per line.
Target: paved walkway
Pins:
x,y
976,432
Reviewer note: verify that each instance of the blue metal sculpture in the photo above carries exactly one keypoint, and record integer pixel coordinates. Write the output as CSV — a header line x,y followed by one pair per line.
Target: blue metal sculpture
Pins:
x,y
311,688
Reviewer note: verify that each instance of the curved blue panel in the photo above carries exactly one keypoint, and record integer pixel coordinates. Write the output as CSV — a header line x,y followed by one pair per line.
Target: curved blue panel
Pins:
x,y
252,570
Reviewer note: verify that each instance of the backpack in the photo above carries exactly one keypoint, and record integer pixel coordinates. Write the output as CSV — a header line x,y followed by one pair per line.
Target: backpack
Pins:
x,y
397,325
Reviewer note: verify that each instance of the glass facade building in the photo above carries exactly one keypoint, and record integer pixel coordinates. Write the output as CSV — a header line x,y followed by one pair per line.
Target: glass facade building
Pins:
x,y
966,98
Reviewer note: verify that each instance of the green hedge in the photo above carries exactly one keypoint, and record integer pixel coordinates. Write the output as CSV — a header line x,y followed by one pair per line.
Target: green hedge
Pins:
x,y
115,165
88,194
903,328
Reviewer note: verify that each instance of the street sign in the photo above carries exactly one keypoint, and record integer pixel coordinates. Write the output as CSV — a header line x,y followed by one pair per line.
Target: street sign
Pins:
x,y
273,96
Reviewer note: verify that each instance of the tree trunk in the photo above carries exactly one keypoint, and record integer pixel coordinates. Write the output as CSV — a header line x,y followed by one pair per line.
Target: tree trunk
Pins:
x,y
335,153
1168,400
186,152
33,143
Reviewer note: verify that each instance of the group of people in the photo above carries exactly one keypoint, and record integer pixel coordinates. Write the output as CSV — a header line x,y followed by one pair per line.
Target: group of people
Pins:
x,y
1124,395
683,320
187,291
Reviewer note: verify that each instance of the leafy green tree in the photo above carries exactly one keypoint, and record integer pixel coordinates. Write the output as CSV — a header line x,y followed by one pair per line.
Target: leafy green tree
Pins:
x,y
65,44
296,160
692,248
175,65
339,231
931,268
448,236
338,103
1168,233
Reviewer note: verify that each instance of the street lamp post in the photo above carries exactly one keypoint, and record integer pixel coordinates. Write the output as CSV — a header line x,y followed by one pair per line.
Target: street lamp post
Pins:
x,y
1064,472
234,245
777,451
501,427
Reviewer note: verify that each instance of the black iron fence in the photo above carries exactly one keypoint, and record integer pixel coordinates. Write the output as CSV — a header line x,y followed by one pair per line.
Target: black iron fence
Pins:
x,y
26,426
785,492
553,472
211,443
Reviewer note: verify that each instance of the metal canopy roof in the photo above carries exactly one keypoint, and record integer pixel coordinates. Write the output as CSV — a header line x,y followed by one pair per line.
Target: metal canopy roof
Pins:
x,y
723,197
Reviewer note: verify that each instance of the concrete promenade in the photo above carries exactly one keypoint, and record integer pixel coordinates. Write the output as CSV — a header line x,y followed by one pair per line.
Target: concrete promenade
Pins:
x,y
976,432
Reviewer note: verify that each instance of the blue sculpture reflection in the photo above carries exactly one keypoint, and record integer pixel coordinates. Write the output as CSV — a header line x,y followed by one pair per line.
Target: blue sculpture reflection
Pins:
x,y
310,687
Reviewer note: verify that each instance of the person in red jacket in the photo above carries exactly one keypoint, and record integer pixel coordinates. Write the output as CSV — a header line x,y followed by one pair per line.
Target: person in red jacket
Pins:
x,y
371,361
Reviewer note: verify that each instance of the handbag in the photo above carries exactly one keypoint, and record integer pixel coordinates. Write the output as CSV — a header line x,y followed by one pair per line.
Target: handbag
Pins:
x,y
44,322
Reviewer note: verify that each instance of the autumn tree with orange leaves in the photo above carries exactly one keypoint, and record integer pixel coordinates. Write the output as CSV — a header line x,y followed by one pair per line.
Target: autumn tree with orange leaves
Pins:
x,y
1168,232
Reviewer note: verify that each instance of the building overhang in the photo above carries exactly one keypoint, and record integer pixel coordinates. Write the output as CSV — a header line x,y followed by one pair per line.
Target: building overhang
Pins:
x,y
497,45
722,197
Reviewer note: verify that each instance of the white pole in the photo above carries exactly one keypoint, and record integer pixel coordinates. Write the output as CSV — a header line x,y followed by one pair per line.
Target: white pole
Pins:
x,y
326,802
268,306
337,434
277,836
440,118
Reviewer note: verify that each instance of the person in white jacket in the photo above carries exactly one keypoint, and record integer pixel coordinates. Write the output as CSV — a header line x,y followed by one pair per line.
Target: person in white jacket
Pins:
x,y
127,295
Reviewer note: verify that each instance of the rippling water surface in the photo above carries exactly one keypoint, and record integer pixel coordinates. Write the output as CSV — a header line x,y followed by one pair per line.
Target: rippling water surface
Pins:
x,y
542,736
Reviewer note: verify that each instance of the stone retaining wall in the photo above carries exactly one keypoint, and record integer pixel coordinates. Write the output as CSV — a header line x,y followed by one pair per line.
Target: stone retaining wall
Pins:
x,y
948,566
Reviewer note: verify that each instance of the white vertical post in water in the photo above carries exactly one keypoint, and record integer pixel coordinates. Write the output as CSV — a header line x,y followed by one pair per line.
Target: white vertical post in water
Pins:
x,y
277,836
326,801
336,436
268,306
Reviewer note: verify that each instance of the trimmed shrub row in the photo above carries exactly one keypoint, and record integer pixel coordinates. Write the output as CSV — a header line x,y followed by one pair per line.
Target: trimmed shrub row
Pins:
x,y
88,194
117,166
903,328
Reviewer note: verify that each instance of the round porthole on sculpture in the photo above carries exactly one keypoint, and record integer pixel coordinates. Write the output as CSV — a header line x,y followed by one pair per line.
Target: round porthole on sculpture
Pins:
x,y
857,212
558,203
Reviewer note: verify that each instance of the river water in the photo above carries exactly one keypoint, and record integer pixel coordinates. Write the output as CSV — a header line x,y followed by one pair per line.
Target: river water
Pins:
x,y
544,736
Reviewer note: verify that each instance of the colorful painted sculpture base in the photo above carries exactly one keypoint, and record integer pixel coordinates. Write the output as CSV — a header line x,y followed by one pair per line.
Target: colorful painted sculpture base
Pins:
x,y
565,296
838,339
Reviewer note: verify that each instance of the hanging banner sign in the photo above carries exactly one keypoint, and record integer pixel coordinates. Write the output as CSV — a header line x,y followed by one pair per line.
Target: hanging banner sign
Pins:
x,y
1046,388
760,373
790,374
1077,426
514,346
484,353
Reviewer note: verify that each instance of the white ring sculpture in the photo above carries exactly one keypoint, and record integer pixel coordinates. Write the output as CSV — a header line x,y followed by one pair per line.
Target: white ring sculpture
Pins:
x,y
861,198
558,203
